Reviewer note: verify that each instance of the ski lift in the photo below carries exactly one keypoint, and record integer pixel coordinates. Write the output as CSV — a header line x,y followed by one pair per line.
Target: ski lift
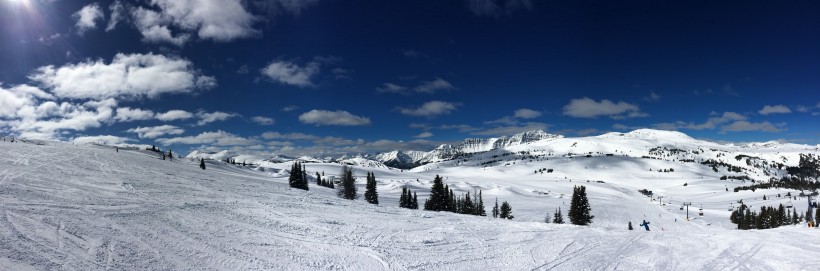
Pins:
x,y
731,208
789,204
681,207
701,210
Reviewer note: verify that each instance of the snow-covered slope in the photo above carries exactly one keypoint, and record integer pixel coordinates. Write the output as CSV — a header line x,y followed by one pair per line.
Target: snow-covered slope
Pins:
x,y
91,208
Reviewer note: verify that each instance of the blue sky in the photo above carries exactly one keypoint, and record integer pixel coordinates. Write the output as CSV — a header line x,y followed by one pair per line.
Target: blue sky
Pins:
x,y
309,77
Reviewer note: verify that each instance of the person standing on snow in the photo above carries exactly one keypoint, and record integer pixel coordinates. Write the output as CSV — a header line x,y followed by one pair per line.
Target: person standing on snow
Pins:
x,y
645,225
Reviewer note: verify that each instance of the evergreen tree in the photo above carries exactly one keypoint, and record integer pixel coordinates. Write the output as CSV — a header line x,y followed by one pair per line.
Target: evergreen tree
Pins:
x,y
558,218
452,202
630,225
495,209
816,216
438,196
480,208
170,155
506,211
347,190
403,198
298,178
467,207
795,217
579,207
202,163
319,179
415,203
548,218
370,193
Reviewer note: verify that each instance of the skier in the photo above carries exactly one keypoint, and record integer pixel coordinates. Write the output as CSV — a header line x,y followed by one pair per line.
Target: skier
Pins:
x,y
645,225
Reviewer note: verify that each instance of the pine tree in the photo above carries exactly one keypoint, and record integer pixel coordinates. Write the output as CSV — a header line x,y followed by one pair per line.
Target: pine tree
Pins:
x,y
403,198
816,216
347,190
480,208
298,177
795,217
170,155
495,209
370,193
467,207
506,211
438,196
202,163
452,202
558,218
319,179
579,207
415,203
630,225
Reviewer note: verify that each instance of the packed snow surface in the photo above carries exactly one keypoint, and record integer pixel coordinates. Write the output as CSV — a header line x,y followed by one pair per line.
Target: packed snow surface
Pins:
x,y
86,207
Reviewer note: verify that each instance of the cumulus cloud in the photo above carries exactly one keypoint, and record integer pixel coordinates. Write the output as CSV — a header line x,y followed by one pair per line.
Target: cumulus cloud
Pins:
x,y
589,108
290,73
205,118
392,88
496,8
17,97
525,113
117,14
125,114
172,115
218,138
424,135
338,118
433,86
262,120
430,109
102,139
745,126
156,131
774,109
87,17
128,76
217,20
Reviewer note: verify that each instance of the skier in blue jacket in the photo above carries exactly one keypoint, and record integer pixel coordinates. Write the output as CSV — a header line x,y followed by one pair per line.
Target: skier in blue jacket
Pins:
x,y
645,225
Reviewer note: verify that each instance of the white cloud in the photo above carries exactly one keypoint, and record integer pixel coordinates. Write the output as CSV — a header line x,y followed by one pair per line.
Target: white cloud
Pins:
x,y
102,139
392,88
653,97
496,8
87,17
525,113
205,118
172,115
218,138
744,126
424,135
117,13
289,73
774,109
430,109
433,86
589,108
339,118
128,75
156,131
218,20
263,120
125,114
290,108
15,98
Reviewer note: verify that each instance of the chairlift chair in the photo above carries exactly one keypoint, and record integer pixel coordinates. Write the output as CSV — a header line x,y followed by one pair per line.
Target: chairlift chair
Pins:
x,y
789,204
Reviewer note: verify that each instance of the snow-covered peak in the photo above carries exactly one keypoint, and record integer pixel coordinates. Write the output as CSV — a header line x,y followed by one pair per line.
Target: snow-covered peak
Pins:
x,y
659,134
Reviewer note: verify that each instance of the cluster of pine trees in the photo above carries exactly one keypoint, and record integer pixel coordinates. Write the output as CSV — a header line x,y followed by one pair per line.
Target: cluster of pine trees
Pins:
x,y
557,217
408,200
442,198
298,177
323,182
347,187
769,217
504,212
